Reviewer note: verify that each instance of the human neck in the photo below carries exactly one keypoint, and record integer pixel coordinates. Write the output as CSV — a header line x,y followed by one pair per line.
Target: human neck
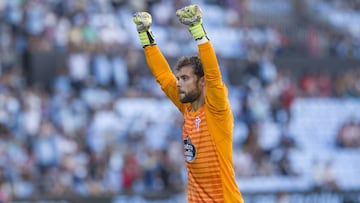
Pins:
x,y
195,105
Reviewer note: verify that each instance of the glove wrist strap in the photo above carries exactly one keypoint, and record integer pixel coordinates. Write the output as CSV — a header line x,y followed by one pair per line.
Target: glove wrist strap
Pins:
x,y
197,31
146,38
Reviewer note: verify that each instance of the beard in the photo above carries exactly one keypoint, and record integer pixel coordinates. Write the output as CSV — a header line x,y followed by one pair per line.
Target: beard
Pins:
x,y
191,96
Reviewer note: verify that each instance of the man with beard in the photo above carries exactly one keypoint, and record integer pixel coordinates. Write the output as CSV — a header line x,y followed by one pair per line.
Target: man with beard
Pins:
x,y
199,93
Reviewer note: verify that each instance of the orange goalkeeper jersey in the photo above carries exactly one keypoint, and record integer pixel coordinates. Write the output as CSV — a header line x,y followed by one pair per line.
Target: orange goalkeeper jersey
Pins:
x,y
207,133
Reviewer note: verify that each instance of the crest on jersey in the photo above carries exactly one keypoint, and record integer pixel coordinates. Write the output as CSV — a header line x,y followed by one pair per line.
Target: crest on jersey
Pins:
x,y
189,150
197,123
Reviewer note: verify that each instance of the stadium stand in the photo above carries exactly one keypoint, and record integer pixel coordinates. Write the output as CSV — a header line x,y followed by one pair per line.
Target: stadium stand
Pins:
x,y
81,117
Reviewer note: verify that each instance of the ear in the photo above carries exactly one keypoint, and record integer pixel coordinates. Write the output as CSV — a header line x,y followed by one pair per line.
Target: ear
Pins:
x,y
202,82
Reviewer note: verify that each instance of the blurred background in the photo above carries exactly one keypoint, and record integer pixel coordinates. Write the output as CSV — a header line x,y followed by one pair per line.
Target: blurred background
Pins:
x,y
83,120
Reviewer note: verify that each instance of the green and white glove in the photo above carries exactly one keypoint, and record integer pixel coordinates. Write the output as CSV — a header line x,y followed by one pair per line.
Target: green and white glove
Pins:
x,y
192,17
143,22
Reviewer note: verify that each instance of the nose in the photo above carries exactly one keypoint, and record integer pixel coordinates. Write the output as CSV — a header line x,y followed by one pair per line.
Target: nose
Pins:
x,y
178,83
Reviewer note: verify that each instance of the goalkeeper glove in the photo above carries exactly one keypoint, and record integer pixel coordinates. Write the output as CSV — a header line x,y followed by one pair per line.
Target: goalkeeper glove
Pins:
x,y
143,21
192,17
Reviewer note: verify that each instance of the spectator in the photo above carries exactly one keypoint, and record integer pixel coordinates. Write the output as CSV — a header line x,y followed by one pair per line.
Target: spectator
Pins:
x,y
323,176
349,134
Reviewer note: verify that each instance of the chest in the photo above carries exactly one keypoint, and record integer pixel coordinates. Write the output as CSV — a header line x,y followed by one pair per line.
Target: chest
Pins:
x,y
198,143
195,126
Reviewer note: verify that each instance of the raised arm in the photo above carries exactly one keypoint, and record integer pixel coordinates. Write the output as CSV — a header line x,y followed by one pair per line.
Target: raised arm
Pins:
x,y
216,91
157,63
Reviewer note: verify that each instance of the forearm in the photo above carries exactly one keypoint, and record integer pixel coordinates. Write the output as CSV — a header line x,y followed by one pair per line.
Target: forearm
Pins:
x,y
210,64
157,63
216,91
161,70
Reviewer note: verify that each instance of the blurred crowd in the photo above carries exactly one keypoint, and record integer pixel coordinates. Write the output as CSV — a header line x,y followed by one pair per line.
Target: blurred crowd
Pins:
x,y
74,140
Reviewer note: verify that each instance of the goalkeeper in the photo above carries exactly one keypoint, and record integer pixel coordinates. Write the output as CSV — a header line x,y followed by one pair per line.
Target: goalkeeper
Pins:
x,y
199,93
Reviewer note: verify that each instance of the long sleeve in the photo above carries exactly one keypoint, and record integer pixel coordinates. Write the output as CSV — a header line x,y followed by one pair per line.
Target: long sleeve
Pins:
x,y
216,91
161,70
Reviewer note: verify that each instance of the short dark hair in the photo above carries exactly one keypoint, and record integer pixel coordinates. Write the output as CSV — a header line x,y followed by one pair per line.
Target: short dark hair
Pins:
x,y
194,62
